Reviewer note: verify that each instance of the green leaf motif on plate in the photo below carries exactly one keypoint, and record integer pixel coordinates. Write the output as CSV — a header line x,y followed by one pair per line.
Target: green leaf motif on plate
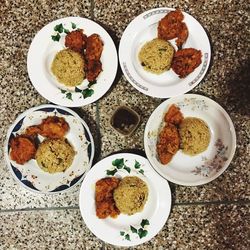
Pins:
x,y
111,172
73,25
119,163
122,233
137,164
127,169
127,237
69,96
144,223
133,229
56,38
142,233
59,28
141,171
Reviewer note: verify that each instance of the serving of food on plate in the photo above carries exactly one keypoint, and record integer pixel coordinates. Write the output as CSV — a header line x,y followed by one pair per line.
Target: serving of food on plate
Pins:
x,y
68,61
49,149
164,52
189,140
124,196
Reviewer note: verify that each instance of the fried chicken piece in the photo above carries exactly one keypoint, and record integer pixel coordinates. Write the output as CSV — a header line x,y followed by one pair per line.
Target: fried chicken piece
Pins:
x,y
182,35
93,69
76,40
94,48
23,149
185,61
171,26
105,204
174,115
53,127
168,143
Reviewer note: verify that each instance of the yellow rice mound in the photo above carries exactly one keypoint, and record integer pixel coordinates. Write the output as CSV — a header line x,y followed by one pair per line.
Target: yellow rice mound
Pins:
x,y
131,195
195,136
156,56
55,155
68,67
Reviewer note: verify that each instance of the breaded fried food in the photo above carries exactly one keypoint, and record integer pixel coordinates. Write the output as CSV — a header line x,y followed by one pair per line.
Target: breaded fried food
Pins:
x,y
93,69
105,204
182,35
185,61
174,115
94,47
171,26
76,40
53,127
168,143
23,149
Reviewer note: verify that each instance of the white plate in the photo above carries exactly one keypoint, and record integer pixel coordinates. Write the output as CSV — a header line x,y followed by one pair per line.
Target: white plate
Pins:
x,y
30,175
156,210
202,168
144,28
43,49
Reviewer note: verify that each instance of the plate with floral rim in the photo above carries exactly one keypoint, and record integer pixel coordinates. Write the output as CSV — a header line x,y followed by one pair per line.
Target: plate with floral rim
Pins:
x,y
202,168
50,40
30,175
126,230
143,29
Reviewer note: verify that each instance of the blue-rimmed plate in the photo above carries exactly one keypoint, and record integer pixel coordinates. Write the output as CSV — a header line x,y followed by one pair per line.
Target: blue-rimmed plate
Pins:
x,y
143,29
202,168
126,230
30,175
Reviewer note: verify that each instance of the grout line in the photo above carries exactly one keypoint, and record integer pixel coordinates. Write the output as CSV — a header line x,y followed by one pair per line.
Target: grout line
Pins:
x,y
197,203
38,209
240,202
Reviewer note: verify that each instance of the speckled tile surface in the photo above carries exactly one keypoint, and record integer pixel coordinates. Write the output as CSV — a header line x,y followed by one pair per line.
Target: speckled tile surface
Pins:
x,y
188,227
46,230
219,215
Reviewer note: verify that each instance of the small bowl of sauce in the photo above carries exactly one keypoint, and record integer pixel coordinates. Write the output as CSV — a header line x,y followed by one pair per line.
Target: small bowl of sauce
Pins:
x,y
125,120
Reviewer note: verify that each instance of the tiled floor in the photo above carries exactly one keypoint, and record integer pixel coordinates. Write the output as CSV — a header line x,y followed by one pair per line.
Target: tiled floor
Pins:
x,y
212,216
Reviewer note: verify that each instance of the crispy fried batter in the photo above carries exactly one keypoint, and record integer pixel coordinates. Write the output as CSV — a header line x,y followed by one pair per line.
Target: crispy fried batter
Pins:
x,y
76,40
169,142
105,204
94,47
23,149
93,69
182,35
53,127
174,115
185,61
93,54
171,26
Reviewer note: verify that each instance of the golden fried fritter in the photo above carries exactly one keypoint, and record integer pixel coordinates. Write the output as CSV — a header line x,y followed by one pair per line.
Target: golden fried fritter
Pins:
x,y
94,47
93,69
168,143
186,61
182,35
76,40
172,26
23,149
105,204
169,25
174,115
53,127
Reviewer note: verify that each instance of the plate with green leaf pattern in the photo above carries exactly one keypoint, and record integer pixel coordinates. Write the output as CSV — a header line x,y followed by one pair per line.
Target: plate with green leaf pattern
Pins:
x,y
48,42
126,230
